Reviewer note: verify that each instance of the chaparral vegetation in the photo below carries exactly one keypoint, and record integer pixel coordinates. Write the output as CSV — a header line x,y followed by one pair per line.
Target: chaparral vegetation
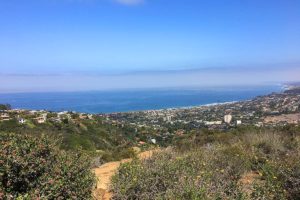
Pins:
x,y
35,168
244,164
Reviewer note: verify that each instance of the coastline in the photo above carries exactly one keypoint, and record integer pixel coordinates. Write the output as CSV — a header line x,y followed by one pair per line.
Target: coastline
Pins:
x,y
183,107
133,102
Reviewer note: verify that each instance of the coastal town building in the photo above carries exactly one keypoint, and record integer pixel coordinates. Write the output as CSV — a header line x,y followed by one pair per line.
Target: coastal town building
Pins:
x,y
227,119
4,117
238,122
41,119
213,123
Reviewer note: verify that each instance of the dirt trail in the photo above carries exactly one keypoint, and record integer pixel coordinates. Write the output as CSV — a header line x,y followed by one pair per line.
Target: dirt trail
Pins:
x,y
106,171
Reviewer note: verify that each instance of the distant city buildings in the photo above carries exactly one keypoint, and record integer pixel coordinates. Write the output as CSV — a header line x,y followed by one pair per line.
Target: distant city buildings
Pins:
x,y
251,112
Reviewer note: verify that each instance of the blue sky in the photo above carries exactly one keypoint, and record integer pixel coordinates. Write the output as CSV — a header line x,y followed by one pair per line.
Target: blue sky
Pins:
x,y
107,44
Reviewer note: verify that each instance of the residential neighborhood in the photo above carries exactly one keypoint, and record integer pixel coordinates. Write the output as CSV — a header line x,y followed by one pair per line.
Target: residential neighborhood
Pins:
x,y
269,110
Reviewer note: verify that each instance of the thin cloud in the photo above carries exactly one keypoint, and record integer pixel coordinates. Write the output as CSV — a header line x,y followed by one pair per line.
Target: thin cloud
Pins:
x,y
130,2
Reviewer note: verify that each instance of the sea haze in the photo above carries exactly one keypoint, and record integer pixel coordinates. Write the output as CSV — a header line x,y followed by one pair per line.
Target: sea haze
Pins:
x,y
132,100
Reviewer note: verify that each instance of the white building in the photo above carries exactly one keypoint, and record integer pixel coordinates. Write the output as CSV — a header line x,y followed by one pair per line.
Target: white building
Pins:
x,y
213,123
238,122
41,119
4,117
228,119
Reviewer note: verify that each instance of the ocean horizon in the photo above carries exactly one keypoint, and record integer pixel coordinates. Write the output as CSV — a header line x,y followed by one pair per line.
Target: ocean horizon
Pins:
x,y
133,99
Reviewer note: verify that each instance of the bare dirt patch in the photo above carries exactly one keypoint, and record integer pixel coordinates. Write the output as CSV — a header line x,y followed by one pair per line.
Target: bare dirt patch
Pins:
x,y
289,118
105,172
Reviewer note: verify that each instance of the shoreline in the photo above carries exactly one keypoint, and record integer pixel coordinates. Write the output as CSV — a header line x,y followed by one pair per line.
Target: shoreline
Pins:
x,y
280,89
180,108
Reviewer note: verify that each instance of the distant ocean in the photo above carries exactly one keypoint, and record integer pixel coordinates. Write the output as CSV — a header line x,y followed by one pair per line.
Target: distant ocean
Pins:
x,y
132,100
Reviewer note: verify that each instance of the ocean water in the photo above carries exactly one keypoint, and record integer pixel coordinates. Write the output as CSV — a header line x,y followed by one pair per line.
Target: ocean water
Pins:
x,y
132,100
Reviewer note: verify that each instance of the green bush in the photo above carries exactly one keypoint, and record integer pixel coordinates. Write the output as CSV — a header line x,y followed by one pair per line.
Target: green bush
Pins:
x,y
35,168
257,165
171,175
88,135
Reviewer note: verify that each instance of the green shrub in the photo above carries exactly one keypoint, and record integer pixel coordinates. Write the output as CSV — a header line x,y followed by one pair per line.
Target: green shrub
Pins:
x,y
34,168
195,175
257,165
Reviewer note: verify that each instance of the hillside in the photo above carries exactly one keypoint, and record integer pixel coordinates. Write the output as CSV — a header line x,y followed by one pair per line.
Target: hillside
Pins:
x,y
250,165
241,150
91,133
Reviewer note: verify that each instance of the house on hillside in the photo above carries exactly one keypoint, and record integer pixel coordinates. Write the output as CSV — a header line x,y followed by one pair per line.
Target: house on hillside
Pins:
x,y
4,117
41,119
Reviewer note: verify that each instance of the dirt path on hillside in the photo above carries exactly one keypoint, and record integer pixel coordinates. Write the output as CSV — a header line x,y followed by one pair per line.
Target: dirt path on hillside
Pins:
x,y
105,172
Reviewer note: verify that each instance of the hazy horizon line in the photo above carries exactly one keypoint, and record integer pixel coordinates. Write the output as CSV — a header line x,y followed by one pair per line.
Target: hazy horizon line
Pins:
x,y
120,72
162,88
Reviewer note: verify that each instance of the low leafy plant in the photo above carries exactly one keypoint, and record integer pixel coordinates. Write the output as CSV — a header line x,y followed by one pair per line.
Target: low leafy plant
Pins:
x,y
35,168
